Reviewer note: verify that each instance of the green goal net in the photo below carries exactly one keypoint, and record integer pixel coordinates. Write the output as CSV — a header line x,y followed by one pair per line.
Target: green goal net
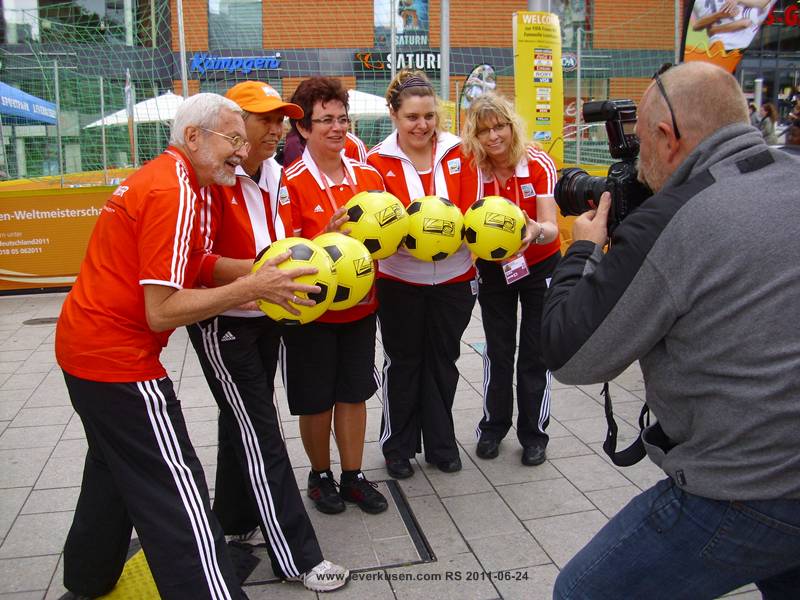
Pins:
x,y
91,60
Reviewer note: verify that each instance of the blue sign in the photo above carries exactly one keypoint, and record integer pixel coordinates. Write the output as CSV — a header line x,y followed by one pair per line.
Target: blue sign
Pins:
x,y
204,62
18,107
569,61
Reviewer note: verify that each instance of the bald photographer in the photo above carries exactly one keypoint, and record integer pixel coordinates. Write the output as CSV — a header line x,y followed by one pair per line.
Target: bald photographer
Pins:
x,y
700,284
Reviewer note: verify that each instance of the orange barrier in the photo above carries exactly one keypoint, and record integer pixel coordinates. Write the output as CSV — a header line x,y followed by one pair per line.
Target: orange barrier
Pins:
x,y
70,180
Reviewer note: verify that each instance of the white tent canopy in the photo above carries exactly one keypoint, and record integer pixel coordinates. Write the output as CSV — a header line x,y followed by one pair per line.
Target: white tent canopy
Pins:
x,y
152,110
162,108
366,106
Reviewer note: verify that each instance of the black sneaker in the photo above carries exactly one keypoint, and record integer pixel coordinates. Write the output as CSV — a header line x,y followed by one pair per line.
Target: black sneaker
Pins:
x,y
533,455
487,448
322,490
357,488
399,468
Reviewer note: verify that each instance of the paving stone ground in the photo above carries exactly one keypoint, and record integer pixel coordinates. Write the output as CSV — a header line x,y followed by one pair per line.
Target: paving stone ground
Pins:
x,y
497,529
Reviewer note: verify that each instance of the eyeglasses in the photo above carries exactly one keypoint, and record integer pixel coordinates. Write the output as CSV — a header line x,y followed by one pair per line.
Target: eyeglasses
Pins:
x,y
498,129
666,67
237,141
329,121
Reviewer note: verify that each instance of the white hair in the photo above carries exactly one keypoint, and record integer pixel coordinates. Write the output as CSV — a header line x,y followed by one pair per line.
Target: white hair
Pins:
x,y
200,110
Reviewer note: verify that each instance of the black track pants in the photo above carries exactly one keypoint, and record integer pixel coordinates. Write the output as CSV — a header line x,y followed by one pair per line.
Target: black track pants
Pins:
x,y
255,484
142,471
421,329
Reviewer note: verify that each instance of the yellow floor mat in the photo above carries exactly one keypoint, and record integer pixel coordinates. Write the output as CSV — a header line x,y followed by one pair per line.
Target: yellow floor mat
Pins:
x,y
136,581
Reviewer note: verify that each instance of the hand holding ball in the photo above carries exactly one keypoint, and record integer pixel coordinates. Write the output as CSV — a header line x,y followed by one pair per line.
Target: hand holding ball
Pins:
x,y
494,228
355,270
377,220
303,254
435,228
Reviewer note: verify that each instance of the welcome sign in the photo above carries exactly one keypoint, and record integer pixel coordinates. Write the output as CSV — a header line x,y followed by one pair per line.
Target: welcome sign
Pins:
x,y
538,79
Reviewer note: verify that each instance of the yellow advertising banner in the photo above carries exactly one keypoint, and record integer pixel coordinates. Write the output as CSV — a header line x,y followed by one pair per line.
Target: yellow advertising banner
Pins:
x,y
539,89
538,79
44,234
449,108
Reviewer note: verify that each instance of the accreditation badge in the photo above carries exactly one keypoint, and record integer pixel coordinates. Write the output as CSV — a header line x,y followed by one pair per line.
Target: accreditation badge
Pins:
x,y
527,190
283,195
515,268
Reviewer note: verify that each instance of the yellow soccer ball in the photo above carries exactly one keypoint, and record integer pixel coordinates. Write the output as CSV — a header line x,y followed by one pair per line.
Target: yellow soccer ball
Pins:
x,y
304,254
494,228
435,228
378,220
355,270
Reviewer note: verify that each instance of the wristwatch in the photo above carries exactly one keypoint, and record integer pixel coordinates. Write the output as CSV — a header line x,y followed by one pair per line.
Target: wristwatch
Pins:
x,y
539,239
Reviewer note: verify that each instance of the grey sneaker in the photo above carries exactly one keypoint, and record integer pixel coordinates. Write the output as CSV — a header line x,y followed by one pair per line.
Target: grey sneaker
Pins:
x,y
325,577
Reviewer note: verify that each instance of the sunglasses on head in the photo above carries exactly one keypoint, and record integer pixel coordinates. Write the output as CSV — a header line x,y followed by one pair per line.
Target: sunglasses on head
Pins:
x,y
657,77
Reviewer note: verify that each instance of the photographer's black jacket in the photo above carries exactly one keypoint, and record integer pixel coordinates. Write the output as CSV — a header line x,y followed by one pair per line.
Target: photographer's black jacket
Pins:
x,y
702,286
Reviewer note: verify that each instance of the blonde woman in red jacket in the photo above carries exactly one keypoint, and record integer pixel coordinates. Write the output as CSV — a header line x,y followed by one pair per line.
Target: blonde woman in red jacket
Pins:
x,y
494,139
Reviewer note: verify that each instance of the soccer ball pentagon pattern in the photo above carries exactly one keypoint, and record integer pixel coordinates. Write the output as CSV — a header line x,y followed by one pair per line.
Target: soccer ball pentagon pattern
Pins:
x,y
304,254
435,228
494,228
378,220
355,271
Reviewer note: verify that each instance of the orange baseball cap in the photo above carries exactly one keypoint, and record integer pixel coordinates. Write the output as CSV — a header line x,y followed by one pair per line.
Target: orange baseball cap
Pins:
x,y
258,97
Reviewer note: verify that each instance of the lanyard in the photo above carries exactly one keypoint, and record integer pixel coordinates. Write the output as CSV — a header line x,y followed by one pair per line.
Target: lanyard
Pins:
x,y
328,192
432,182
497,188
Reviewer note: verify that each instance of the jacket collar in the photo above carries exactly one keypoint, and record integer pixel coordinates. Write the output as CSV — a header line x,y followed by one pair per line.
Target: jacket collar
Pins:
x,y
178,155
445,142
721,144
522,167
269,173
520,171
317,175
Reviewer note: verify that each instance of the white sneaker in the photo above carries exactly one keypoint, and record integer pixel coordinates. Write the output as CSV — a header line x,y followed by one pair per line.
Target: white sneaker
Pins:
x,y
325,577
243,537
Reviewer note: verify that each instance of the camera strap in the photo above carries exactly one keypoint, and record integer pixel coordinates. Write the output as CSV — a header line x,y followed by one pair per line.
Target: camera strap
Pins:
x,y
633,453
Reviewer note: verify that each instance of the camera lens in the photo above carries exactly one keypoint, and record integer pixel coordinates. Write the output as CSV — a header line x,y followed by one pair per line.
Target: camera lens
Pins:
x,y
577,191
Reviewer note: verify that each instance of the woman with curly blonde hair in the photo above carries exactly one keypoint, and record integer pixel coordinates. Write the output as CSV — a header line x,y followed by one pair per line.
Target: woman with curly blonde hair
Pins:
x,y
494,142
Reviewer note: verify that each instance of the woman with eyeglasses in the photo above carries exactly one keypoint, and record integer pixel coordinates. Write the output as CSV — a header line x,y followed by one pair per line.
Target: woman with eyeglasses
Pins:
x,y
294,145
424,307
329,365
494,142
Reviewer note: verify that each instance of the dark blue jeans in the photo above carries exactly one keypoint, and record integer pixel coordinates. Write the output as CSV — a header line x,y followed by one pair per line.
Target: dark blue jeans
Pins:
x,y
667,543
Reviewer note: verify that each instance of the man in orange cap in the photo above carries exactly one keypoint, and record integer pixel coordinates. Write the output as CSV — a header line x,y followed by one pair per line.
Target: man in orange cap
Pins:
x,y
238,351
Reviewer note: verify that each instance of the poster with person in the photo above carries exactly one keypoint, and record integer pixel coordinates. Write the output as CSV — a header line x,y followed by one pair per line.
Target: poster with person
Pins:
x,y
719,31
410,22
571,16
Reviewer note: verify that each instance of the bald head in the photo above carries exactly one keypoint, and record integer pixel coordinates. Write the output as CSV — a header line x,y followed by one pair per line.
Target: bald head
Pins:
x,y
705,98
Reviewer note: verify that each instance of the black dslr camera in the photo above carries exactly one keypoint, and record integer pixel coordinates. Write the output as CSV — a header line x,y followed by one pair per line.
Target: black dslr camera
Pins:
x,y
577,191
